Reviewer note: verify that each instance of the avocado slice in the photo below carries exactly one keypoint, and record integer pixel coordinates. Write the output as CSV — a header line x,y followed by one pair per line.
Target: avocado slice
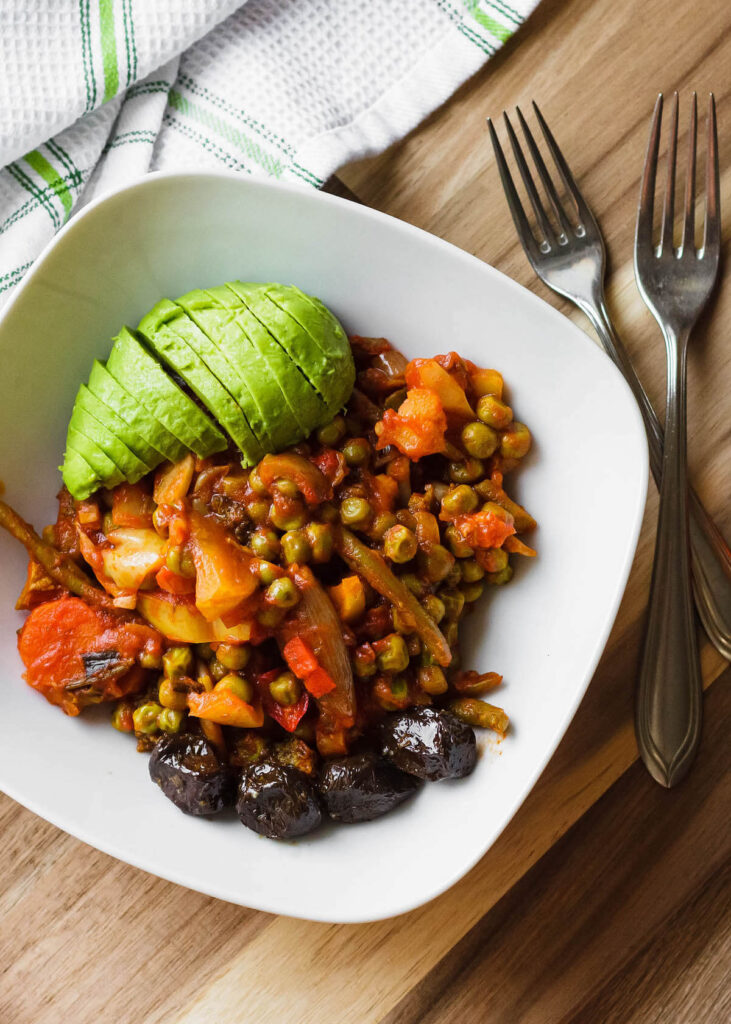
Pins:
x,y
170,334
143,452
285,418
331,364
104,387
78,476
137,370
258,358
298,344
131,468
306,379
222,353
108,472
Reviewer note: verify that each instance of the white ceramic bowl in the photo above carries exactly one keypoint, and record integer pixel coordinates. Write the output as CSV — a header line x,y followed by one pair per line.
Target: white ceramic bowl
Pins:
x,y
585,482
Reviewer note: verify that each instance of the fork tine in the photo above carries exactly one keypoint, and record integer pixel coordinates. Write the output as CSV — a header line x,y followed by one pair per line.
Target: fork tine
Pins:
x,y
712,226
643,236
544,175
535,200
689,223
585,213
668,211
516,207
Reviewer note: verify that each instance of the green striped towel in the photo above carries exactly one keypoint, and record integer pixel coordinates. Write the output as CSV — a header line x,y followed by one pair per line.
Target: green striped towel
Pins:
x,y
94,93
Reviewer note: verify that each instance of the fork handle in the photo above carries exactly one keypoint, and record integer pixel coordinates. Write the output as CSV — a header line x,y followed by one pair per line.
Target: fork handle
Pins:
x,y
710,554
669,697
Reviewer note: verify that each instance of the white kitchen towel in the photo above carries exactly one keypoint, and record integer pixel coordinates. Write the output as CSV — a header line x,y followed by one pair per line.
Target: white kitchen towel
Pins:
x,y
94,93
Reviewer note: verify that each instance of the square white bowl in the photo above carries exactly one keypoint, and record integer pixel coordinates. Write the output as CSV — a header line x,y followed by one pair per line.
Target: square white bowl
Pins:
x,y
585,482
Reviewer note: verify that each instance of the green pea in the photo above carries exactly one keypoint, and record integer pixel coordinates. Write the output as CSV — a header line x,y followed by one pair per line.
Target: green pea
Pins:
x,y
151,660
282,593
332,432
499,578
400,544
291,519
416,585
120,717
169,696
451,635
267,572
453,577
295,547
434,607
265,543
493,412
145,718
395,399
320,538
286,689
435,563
177,661
355,512
383,521
204,651
432,680
453,601
457,544
473,591
363,666
394,657
459,500
515,443
286,487
234,683
258,511
256,483
328,513
233,656
471,571
170,720
479,440
357,451
217,669
271,616
466,472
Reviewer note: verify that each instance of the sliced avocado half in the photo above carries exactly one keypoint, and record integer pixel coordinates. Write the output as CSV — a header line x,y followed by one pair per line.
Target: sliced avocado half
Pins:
x,y
104,387
107,471
303,389
333,365
172,335
260,359
78,476
137,370
145,455
221,349
131,468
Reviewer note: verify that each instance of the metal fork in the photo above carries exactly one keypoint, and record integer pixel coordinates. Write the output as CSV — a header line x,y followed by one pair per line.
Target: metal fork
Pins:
x,y
569,256
676,284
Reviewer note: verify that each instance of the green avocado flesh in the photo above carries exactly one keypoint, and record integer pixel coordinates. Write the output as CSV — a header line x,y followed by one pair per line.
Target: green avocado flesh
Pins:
x,y
177,341
126,461
78,476
268,363
161,442
140,373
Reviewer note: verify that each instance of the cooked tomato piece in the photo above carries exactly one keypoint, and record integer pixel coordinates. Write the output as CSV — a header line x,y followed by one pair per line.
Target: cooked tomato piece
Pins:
x,y
419,425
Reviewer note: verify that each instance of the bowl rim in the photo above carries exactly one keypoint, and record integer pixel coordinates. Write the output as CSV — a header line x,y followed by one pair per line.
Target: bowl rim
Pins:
x,y
157,179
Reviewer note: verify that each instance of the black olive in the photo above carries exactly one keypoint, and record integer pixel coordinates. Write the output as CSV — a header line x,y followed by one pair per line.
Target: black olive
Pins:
x,y
429,744
277,801
190,773
363,787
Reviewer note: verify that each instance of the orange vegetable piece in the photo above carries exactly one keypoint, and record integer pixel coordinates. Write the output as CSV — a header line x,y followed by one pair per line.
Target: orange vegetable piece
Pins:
x,y
300,658
177,618
485,382
224,574
484,529
225,708
319,683
427,373
349,598
76,655
311,482
516,547
418,427
132,506
173,479
173,582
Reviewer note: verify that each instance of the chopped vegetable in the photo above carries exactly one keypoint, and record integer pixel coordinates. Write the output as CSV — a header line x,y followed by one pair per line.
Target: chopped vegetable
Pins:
x,y
177,618
417,428
173,480
427,373
310,481
225,708
349,598
484,529
224,575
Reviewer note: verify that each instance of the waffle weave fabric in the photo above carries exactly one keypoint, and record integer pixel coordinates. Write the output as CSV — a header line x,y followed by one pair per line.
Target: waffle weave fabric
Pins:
x,y
94,93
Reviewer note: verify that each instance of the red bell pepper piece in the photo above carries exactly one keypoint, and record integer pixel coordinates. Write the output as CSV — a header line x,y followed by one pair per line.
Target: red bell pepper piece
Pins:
x,y
288,717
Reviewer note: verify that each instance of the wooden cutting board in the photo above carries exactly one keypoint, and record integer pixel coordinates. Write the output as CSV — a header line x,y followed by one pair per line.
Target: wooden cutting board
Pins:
x,y
86,939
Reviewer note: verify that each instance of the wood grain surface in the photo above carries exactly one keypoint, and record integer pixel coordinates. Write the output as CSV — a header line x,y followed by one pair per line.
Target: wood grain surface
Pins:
x,y
606,899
